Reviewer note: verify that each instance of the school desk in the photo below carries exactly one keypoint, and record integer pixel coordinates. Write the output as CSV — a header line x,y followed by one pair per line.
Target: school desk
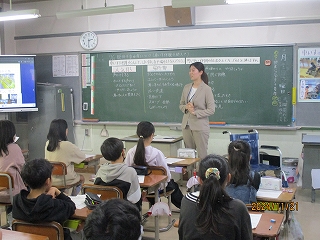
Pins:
x,y
15,235
168,145
151,182
263,228
93,160
188,163
285,201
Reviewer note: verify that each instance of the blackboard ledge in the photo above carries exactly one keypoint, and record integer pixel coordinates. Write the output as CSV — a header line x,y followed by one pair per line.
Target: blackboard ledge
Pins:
x,y
177,126
257,127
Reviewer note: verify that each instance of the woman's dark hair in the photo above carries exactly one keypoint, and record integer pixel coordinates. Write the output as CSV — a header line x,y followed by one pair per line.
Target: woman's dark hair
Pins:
x,y
35,172
239,162
115,219
144,130
213,199
7,132
57,133
200,67
111,149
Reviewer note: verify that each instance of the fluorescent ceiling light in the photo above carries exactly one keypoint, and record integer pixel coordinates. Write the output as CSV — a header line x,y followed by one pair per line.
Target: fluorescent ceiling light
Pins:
x,y
95,11
18,15
192,3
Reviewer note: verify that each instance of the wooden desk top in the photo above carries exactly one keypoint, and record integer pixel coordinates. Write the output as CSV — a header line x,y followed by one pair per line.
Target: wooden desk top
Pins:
x,y
82,213
152,180
287,195
14,235
185,162
96,157
134,138
264,224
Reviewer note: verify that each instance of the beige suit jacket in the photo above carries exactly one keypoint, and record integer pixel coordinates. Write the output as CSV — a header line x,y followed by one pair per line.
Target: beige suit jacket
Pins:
x,y
204,105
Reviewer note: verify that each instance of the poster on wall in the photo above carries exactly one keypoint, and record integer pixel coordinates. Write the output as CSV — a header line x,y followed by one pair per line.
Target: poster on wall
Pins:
x,y
309,74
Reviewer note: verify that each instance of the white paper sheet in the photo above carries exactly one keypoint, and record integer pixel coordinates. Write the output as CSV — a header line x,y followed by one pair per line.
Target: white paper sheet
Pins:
x,y
255,219
90,155
173,160
263,193
141,178
79,201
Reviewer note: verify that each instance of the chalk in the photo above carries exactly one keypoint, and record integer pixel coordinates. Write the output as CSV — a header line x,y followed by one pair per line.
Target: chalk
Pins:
x,y
217,123
270,227
90,119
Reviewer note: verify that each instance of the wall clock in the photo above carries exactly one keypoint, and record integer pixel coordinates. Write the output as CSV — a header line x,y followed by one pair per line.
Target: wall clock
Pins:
x,y
88,40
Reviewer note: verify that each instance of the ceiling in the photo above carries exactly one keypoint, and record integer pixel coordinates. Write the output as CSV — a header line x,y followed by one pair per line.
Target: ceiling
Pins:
x,y
20,1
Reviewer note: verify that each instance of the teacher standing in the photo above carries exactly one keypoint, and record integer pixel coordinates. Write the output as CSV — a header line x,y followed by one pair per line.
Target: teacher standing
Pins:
x,y
197,104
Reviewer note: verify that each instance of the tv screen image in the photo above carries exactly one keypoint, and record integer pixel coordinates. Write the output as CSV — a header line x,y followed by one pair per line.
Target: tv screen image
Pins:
x,y
17,83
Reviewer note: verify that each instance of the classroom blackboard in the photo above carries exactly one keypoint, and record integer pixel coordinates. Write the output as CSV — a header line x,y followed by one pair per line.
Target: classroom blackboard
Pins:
x,y
251,85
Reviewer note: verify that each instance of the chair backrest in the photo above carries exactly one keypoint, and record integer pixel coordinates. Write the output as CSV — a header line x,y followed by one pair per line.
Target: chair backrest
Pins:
x,y
53,230
6,181
107,192
157,170
59,169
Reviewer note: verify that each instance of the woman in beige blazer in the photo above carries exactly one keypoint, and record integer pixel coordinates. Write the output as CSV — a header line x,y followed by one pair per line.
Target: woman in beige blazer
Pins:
x,y
197,104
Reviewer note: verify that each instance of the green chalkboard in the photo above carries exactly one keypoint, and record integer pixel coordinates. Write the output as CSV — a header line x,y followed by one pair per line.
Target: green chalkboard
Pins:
x,y
251,85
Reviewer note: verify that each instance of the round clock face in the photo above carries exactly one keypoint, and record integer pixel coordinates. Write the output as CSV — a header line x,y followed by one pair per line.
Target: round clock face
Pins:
x,y
89,40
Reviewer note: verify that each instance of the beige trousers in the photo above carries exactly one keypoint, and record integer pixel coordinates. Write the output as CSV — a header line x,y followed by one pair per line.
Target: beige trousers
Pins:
x,y
196,140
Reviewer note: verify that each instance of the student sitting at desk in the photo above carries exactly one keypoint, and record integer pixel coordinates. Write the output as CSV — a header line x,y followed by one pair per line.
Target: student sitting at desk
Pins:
x,y
11,158
59,149
143,154
117,173
211,213
244,183
43,203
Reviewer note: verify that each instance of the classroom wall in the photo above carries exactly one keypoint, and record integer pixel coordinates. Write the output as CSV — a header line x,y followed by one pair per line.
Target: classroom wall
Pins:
x,y
216,26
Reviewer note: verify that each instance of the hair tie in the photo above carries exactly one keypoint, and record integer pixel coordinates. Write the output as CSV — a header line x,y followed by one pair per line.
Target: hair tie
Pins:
x,y
236,149
140,136
214,171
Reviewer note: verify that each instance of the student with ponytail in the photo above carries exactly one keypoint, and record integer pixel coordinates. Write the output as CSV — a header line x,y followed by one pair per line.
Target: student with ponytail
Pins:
x,y
143,154
244,183
197,104
211,213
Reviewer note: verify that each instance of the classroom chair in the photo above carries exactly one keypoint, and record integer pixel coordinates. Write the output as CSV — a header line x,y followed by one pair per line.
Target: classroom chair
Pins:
x,y
6,183
53,230
161,171
106,192
315,178
60,170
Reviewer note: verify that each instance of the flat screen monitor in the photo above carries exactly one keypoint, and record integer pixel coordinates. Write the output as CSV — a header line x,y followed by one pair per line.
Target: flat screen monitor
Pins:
x,y
17,84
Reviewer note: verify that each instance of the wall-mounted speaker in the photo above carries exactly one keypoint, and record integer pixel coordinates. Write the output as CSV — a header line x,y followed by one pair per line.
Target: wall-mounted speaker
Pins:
x,y
176,17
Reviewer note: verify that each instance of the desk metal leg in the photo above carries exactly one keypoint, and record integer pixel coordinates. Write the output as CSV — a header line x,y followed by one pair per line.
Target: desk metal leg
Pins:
x,y
156,218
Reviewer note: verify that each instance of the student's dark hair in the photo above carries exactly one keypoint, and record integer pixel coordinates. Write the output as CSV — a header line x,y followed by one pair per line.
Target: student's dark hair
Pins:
x,y
35,172
200,67
213,199
111,148
144,130
57,133
115,219
7,132
239,162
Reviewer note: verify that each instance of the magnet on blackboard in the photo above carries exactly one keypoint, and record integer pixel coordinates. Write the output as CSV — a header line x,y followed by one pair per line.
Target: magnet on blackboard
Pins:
x,y
267,62
85,106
